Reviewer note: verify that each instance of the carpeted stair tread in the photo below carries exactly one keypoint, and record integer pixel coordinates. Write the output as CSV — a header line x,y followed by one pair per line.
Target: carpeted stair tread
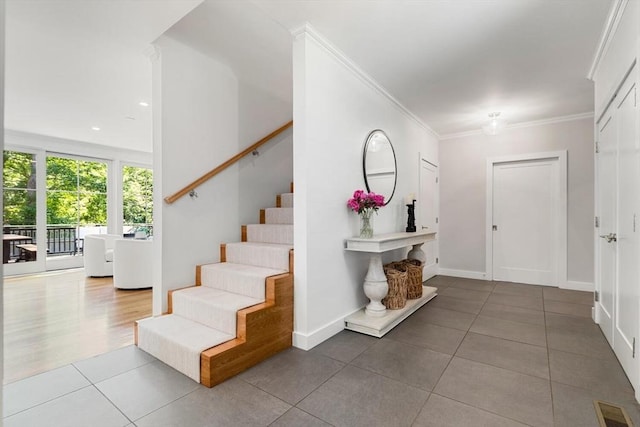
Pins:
x,y
211,307
178,341
270,233
286,200
241,279
278,215
268,255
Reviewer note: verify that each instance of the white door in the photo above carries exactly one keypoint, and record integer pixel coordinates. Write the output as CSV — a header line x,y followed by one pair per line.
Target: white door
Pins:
x,y
628,242
525,221
428,211
606,201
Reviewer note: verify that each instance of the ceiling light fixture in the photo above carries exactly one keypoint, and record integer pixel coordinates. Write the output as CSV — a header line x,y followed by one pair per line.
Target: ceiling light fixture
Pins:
x,y
143,104
495,125
96,128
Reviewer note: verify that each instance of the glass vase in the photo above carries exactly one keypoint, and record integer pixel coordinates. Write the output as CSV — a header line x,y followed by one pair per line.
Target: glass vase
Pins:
x,y
366,224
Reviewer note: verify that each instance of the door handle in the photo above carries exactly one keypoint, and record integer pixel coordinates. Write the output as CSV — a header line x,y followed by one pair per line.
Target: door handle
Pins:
x,y
495,228
424,228
611,237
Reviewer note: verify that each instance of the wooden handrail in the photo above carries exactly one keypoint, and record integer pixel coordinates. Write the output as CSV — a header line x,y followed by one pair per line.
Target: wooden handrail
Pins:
x,y
223,166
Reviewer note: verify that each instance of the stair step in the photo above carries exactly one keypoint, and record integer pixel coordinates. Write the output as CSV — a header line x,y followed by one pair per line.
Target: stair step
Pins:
x,y
211,307
268,255
240,279
178,342
279,216
286,200
270,233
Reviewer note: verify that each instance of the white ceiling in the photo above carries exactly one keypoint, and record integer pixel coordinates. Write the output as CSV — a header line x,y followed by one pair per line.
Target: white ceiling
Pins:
x,y
75,64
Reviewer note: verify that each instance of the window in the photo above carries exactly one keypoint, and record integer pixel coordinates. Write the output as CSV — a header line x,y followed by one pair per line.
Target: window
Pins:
x,y
76,201
19,216
137,200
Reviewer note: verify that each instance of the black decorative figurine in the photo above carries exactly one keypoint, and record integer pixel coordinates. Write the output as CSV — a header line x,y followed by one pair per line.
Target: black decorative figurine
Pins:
x,y
411,221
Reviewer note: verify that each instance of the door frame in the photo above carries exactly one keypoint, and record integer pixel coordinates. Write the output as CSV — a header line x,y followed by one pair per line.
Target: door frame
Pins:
x,y
432,270
561,240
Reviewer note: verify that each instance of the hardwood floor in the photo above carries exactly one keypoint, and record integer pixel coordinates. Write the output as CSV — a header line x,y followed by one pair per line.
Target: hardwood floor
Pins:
x,y
55,318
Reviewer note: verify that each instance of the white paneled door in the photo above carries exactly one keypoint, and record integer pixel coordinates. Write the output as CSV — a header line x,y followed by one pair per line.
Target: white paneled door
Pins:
x,y
618,229
525,221
606,206
428,211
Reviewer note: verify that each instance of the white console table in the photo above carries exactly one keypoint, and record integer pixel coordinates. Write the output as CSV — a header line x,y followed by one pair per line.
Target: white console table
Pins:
x,y
375,319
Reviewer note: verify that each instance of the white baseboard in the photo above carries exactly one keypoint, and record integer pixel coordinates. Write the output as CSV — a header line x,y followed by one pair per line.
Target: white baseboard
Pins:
x,y
578,286
310,340
480,275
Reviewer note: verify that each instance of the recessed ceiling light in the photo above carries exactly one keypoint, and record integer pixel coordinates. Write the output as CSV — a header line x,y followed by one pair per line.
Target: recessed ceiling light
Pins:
x,y
143,104
96,128
129,117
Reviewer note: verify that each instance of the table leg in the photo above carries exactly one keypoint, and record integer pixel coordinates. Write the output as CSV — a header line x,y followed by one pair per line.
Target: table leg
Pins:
x,y
417,253
375,287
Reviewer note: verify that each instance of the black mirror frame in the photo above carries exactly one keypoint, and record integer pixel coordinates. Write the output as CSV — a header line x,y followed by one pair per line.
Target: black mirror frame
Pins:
x,y
364,163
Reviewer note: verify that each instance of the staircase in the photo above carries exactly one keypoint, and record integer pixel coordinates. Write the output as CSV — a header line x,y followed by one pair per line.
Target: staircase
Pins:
x,y
240,310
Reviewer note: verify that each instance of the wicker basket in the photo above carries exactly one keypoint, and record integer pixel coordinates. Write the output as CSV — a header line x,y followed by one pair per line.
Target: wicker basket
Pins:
x,y
397,296
414,278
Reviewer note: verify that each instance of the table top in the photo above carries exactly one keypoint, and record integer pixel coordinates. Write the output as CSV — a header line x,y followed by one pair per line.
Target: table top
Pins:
x,y
387,242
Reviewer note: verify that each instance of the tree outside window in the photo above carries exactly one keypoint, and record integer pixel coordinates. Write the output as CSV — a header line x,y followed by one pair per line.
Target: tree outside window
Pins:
x,y
137,199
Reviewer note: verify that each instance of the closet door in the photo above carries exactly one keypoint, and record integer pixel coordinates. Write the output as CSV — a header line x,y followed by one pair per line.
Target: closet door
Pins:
x,y
606,202
628,241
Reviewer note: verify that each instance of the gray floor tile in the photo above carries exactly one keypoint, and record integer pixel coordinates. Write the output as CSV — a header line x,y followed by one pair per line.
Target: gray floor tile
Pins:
x,y
567,295
455,304
443,317
232,403
598,375
292,374
416,366
518,289
507,329
116,362
41,388
473,284
142,390
573,407
509,394
464,294
586,342
524,301
356,397
437,338
570,323
525,358
345,346
81,408
580,310
516,314
438,281
294,417
442,412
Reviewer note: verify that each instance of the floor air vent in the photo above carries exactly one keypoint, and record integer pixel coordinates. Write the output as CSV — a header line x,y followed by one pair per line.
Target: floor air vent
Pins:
x,y
610,415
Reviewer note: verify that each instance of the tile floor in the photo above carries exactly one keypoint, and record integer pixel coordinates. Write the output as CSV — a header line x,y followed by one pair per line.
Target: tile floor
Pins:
x,y
480,354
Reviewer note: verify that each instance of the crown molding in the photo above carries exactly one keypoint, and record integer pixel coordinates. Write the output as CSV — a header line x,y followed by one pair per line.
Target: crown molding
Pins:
x,y
542,122
313,34
609,30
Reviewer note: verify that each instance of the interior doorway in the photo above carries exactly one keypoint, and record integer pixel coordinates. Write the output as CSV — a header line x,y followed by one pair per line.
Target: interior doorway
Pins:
x,y
428,214
526,218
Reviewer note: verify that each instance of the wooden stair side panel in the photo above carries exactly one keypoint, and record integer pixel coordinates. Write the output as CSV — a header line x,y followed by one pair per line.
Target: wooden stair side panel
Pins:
x,y
262,331
278,201
263,216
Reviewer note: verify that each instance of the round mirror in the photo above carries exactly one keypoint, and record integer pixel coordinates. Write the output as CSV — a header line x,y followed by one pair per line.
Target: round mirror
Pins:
x,y
379,165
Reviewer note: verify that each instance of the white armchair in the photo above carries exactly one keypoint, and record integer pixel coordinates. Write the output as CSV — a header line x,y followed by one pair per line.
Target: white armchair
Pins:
x,y
98,254
133,264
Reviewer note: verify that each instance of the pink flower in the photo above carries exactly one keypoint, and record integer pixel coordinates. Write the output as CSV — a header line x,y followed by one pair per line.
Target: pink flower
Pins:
x,y
364,201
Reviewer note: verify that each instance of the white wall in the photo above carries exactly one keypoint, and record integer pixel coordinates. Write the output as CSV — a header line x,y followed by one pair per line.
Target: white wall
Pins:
x,y
203,115
463,193
335,108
